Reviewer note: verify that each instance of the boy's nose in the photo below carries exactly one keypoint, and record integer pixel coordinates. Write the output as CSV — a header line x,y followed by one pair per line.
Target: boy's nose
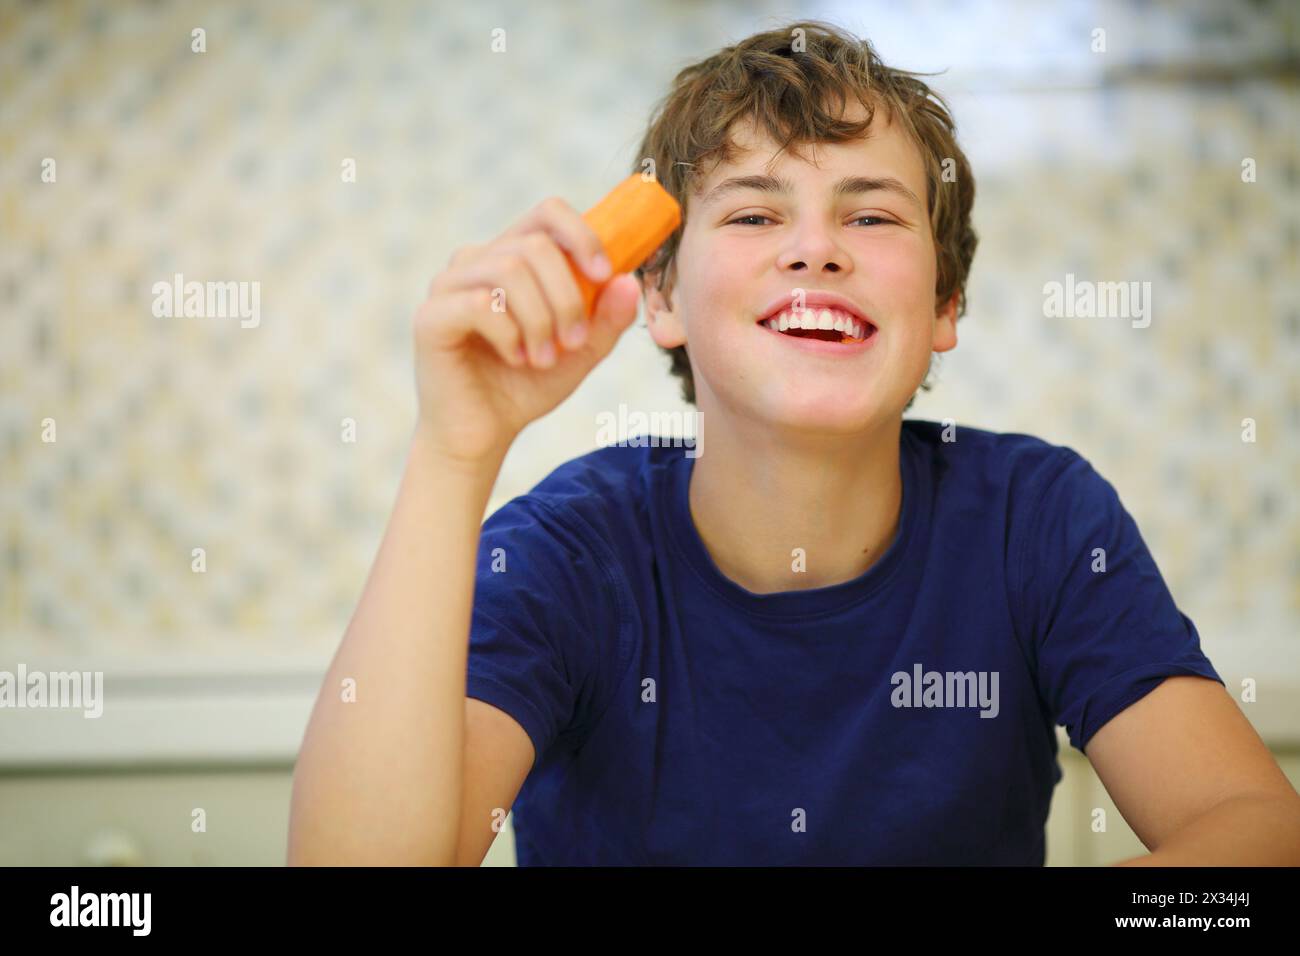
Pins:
x,y
813,250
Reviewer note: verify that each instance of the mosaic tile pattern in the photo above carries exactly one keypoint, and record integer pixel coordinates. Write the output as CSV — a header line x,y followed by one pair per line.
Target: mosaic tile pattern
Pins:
x,y
179,433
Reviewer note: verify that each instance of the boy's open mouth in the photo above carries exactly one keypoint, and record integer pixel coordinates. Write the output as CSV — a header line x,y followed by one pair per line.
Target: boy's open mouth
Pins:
x,y
827,325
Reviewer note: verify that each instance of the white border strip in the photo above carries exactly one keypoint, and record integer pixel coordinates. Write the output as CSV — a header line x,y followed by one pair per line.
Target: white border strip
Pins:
x,y
256,712
187,713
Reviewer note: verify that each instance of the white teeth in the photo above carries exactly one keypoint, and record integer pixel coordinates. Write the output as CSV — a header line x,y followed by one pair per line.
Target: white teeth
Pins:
x,y
828,319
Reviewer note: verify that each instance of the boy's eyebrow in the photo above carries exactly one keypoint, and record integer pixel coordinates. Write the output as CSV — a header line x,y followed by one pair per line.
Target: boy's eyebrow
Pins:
x,y
848,186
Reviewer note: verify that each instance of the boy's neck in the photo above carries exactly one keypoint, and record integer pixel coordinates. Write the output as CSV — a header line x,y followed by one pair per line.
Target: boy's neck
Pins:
x,y
756,498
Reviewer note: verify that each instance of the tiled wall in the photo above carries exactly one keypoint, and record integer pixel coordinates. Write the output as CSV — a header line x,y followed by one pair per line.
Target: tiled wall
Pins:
x,y
183,433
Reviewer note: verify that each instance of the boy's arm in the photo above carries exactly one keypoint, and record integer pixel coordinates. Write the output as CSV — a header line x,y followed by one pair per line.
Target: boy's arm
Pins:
x,y
1195,781
1122,669
498,756
381,776
380,779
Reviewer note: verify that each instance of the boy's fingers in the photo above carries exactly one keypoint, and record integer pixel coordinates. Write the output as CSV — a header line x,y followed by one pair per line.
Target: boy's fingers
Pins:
x,y
555,275
511,268
501,331
449,319
570,231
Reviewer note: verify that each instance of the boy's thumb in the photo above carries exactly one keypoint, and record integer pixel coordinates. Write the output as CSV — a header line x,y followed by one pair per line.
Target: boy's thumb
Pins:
x,y
616,305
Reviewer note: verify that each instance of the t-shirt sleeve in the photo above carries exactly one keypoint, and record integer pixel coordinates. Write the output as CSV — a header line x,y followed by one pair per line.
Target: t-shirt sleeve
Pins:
x,y
1104,626
547,631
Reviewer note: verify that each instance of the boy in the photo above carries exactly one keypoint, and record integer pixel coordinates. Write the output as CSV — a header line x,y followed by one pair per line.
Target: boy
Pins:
x,y
837,637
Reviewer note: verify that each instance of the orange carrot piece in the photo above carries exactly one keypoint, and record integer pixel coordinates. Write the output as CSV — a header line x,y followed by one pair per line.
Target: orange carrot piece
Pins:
x,y
633,220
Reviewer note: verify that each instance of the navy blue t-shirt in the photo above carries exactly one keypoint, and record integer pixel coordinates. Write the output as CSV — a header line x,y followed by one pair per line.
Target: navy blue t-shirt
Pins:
x,y
905,717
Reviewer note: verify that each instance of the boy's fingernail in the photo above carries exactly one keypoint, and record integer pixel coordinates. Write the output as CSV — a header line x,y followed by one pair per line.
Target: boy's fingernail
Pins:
x,y
600,267
575,335
545,354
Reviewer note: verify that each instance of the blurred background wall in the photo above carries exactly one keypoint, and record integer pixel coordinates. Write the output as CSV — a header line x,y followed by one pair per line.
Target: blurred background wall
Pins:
x,y
336,153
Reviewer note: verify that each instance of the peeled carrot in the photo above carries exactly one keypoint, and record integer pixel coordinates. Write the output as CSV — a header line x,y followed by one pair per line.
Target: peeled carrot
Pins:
x,y
632,221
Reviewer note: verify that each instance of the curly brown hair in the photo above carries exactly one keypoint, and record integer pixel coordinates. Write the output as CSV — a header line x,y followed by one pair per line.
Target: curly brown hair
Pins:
x,y
782,79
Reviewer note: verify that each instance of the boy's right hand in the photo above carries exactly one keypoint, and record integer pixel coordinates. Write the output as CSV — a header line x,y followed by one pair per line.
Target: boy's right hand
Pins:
x,y
475,394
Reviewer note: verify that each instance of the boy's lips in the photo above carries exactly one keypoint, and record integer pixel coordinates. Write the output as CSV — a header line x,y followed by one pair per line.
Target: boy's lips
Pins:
x,y
824,347
816,299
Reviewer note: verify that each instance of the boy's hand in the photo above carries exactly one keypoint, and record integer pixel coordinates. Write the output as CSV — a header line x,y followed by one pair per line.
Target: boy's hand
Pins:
x,y
475,394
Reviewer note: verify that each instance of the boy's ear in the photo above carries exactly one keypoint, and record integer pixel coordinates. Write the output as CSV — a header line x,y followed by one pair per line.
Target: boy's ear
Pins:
x,y
945,325
661,313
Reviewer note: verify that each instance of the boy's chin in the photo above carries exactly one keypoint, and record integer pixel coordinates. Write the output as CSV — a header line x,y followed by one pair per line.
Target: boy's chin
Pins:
x,y
843,419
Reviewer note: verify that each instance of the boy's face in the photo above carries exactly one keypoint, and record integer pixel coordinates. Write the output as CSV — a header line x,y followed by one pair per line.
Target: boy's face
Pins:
x,y
728,273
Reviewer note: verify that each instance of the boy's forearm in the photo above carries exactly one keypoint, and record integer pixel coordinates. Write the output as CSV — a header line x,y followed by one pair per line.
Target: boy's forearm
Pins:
x,y
379,778
1251,830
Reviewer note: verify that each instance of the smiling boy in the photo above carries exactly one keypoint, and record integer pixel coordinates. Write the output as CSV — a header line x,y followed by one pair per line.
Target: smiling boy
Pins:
x,y
812,426
839,636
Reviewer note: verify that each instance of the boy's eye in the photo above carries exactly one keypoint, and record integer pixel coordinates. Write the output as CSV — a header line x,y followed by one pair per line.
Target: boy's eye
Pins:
x,y
880,219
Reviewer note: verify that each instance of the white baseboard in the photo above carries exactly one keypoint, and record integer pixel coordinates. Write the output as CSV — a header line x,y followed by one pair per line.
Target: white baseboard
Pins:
x,y
206,712
182,713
